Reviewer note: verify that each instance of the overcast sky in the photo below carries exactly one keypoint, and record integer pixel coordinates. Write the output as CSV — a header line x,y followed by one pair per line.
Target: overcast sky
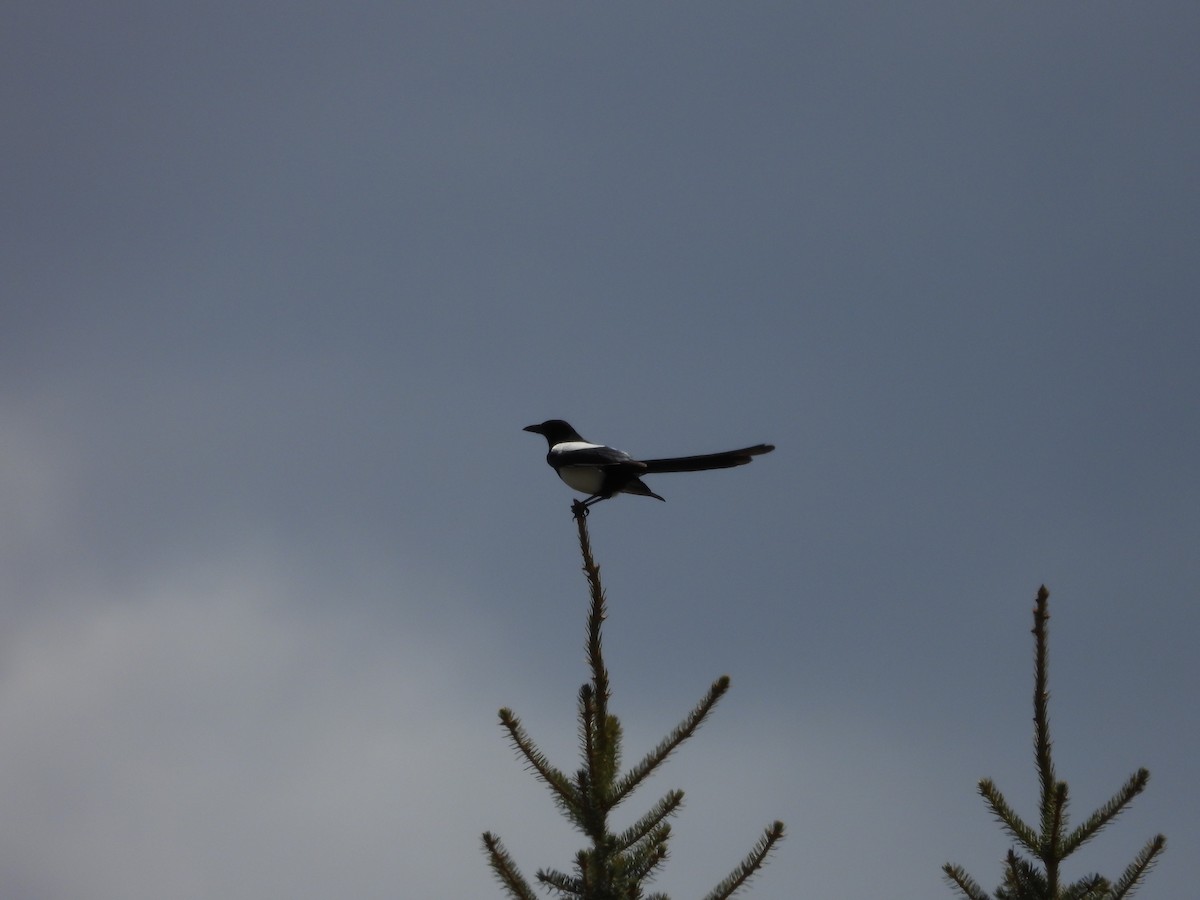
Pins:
x,y
284,281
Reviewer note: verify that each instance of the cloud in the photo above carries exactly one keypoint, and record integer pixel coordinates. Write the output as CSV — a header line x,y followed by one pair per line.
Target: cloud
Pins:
x,y
209,737
33,485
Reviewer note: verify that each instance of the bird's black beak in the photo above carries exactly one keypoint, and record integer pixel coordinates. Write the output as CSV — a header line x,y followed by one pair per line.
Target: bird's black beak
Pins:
x,y
536,429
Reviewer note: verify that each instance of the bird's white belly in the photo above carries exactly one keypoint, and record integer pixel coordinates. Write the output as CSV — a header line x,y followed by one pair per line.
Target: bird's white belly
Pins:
x,y
585,479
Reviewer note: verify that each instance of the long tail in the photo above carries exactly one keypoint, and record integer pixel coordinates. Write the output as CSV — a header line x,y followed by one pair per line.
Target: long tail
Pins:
x,y
725,460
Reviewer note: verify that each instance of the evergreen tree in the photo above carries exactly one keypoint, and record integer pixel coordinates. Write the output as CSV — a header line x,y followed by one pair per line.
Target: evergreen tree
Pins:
x,y
1054,841
615,866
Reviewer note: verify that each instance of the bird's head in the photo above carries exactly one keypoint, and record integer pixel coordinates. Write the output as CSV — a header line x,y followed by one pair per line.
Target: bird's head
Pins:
x,y
555,431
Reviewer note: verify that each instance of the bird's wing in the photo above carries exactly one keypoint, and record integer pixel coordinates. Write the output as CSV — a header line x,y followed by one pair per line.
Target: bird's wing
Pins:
x,y
581,453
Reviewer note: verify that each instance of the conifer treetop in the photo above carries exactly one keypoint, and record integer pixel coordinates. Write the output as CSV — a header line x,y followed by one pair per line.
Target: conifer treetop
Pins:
x,y
1038,876
614,866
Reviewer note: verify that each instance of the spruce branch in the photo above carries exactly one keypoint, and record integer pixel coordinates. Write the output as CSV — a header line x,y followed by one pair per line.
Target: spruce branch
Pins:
x,y
638,865
660,812
1093,887
1008,817
505,869
969,887
593,814
1131,878
748,866
609,762
561,882
678,735
1109,811
1023,881
565,795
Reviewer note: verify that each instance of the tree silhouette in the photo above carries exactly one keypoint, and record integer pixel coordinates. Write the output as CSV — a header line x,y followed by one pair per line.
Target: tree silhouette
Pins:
x,y
614,866
1054,841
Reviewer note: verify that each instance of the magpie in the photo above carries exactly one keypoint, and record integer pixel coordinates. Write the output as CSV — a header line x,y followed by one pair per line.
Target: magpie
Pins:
x,y
602,472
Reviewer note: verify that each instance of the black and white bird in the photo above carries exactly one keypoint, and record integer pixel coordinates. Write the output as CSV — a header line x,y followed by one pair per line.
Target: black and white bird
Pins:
x,y
602,472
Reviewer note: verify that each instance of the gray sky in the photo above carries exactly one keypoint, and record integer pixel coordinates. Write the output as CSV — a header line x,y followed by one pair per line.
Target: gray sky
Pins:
x,y
283,282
